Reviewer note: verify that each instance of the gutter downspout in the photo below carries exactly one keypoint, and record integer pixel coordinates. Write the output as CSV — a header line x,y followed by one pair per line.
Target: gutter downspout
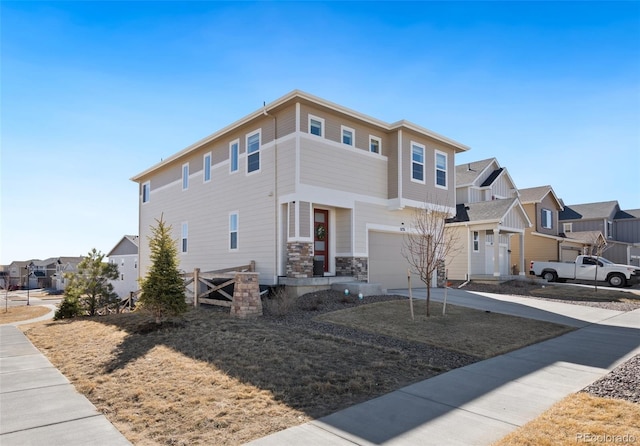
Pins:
x,y
275,191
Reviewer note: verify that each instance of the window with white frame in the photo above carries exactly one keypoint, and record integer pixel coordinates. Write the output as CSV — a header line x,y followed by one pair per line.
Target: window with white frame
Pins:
x,y
184,237
253,152
233,231
441,169
185,176
609,229
476,241
316,125
348,135
417,162
567,227
375,144
546,219
234,154
206,168
146,189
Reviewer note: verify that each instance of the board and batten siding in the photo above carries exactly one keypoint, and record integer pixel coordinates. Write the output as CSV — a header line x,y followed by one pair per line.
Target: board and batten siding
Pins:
x,y
502,187
627,230
514,219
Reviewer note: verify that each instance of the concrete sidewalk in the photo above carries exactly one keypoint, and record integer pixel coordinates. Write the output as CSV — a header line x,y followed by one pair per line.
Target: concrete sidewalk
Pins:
x,y
39,406
480,403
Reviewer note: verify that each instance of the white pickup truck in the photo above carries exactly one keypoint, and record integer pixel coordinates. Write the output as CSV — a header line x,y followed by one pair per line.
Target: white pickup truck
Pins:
x,y
584,268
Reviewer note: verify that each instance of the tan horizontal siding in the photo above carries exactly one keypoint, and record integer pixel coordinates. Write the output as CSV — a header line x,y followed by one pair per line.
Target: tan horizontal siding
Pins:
x,y
356,173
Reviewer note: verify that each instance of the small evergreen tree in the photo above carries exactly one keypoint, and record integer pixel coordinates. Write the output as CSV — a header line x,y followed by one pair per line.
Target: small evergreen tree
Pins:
x,y
89,288
163,289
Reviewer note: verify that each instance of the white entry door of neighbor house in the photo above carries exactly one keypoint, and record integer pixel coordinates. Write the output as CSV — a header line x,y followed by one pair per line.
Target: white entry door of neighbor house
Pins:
x,y
503,260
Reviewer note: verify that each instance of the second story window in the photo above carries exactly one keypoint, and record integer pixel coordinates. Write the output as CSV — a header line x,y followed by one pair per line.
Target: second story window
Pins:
x,y
146,190
567,227
185,176
233,156
546,219
347,136
476,241
316,126
441,169
253,152
417,163
374,144
206,168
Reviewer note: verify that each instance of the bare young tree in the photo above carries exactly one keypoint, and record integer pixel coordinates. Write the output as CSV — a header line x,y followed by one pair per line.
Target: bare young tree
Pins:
x,y
428,243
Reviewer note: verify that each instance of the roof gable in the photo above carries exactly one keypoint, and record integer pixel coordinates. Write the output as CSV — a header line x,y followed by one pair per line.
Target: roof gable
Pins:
x,y
468,173
488,211
589,211
630,213
128,245
538,194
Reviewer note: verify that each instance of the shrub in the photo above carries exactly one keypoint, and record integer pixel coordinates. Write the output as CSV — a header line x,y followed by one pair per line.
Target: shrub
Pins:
x,y
280,303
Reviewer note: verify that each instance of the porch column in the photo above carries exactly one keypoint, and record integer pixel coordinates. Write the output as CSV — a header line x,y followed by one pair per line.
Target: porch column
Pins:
x,y
521,242
496,252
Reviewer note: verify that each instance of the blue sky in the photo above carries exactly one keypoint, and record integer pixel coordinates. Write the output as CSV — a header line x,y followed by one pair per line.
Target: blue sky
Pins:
x,y
93,93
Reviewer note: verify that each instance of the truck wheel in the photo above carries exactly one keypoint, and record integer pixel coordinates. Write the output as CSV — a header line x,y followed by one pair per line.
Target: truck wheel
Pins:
x,y
550,276
617,280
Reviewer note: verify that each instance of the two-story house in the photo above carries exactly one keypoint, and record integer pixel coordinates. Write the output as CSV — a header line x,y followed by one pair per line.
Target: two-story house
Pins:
x,y
301,182
125,255
64,265
545,239
621,229
488,215
18,273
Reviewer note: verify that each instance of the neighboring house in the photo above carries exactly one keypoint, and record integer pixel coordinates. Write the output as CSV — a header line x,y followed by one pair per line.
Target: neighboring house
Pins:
x,y
620,228
488,216
64,265
627,229
302,182
4,276
18,273
48,273
545,240
125,255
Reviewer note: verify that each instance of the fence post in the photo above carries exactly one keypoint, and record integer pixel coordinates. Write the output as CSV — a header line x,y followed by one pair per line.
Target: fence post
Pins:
x,y
196,286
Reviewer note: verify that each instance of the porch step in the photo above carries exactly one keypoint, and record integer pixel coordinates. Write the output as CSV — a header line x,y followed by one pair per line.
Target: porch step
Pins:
x,y
355,288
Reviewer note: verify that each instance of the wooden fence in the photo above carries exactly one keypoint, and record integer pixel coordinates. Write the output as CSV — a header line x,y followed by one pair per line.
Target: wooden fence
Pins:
x,y
195,280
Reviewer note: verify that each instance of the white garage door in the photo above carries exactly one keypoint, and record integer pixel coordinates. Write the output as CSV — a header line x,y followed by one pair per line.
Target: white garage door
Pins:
x,y
387,266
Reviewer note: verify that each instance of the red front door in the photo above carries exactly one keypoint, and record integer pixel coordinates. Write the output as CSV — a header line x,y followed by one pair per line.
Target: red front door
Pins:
x,y
321,237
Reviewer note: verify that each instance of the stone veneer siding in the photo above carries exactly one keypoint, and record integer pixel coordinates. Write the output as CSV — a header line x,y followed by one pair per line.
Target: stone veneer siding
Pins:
x,y
246,296
357,267
299,260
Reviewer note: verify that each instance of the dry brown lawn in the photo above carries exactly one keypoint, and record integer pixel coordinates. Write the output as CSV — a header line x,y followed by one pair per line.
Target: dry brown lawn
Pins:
x,y
580,419
16,314
478,333
212,379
